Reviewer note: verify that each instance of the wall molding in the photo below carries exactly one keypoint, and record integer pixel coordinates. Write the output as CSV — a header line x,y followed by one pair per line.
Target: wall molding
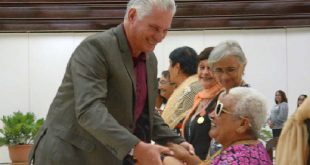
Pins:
x,y
97,15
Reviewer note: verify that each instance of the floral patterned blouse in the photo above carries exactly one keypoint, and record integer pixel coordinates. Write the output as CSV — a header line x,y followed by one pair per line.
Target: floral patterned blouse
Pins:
x,y
243,154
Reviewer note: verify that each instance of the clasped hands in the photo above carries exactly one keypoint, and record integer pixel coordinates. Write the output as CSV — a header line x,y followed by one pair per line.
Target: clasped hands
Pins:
x,y
150,154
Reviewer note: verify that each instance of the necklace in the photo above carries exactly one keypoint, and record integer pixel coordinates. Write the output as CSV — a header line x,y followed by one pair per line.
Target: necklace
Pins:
x,y
250,141
201,111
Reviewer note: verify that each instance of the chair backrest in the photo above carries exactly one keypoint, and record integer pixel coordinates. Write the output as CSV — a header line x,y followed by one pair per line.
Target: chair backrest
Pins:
x,y
270,145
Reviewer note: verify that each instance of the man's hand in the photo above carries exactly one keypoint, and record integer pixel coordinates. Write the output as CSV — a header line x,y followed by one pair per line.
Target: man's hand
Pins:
x,y
149,154
183,154
188,147
179,151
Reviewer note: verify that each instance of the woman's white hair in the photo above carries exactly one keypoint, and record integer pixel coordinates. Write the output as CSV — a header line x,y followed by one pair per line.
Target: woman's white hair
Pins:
x,y
224,49
144,7
250,103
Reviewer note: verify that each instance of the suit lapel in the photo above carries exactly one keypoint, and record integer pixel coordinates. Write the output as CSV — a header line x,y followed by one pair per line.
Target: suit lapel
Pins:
x,y
128,62
126,53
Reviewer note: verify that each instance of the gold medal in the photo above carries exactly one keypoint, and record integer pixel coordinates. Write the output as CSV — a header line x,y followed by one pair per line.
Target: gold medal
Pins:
x,y
200,120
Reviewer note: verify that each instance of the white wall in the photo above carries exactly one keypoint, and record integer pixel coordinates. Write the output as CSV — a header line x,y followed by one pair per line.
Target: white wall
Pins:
x,y
32,65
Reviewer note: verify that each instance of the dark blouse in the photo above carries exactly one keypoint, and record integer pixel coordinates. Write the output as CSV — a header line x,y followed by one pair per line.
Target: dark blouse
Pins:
x,y
197,133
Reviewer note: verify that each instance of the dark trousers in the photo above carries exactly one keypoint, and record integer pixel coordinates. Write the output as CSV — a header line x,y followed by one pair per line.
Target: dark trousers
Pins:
x,y
142,131
276,132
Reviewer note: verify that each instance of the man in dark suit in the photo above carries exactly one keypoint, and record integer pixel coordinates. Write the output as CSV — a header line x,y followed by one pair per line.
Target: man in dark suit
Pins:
x,y
103,112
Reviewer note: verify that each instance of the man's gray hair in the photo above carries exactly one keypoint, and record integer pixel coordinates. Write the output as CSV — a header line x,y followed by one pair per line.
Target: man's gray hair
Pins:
x,y
144,7
224,49
250,103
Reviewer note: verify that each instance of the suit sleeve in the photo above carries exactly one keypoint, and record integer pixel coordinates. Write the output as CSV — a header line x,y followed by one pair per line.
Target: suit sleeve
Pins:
x,y
162,133
89,70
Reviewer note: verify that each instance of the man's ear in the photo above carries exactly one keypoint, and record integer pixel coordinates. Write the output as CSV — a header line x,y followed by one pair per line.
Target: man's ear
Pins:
x,y
132,14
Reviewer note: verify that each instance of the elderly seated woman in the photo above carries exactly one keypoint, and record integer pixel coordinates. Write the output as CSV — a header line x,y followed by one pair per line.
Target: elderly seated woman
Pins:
x,y
238,117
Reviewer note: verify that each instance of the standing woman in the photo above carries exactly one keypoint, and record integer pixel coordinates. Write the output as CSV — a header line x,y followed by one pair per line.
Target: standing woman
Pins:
x,y
197,124
227,62
279,113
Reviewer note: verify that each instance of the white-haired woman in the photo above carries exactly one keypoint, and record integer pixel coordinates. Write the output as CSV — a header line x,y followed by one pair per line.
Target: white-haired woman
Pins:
x,y
227,62
236,122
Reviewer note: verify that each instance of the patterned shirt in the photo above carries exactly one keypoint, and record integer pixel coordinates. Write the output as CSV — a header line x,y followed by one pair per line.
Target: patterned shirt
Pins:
x,y
243,154
180,101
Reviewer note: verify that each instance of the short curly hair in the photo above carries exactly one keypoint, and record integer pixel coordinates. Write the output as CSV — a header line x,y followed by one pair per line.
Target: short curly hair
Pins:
x,y
250,103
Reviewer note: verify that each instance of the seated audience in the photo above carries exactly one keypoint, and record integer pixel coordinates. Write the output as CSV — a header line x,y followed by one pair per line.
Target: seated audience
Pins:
x,y
279,113
197,124
293,145
182,69
236,123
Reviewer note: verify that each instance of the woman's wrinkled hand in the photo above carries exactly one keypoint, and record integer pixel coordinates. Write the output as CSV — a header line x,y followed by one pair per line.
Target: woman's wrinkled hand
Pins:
x,y
179,151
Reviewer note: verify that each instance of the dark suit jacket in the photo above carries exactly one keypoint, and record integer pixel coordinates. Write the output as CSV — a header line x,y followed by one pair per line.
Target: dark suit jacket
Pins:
x,y
91,118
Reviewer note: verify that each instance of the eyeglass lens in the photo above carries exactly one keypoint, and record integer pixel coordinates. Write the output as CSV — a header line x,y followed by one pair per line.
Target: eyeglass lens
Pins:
x,y
218,109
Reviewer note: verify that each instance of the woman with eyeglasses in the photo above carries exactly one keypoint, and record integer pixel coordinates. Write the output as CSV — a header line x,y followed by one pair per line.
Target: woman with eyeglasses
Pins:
x,y
279,113
227,62
238,117
196,125
165,89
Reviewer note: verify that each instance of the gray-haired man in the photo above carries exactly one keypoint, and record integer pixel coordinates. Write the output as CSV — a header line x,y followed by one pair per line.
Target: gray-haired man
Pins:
x,y
104,109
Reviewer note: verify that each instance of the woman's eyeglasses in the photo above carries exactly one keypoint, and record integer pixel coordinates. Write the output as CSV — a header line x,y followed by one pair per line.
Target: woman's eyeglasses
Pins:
x,y
228,70
219,109
163,82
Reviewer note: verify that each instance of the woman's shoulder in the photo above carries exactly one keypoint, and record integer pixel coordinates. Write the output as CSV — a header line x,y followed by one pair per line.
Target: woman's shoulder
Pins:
x,y
283,104
240,148
192,88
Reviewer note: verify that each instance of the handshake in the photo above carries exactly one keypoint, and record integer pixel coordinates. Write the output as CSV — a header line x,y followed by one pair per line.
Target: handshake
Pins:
x,y
172,154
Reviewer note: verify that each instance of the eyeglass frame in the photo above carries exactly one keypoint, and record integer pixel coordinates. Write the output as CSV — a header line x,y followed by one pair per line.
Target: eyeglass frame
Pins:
x,y
222,109
166,83
227,70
